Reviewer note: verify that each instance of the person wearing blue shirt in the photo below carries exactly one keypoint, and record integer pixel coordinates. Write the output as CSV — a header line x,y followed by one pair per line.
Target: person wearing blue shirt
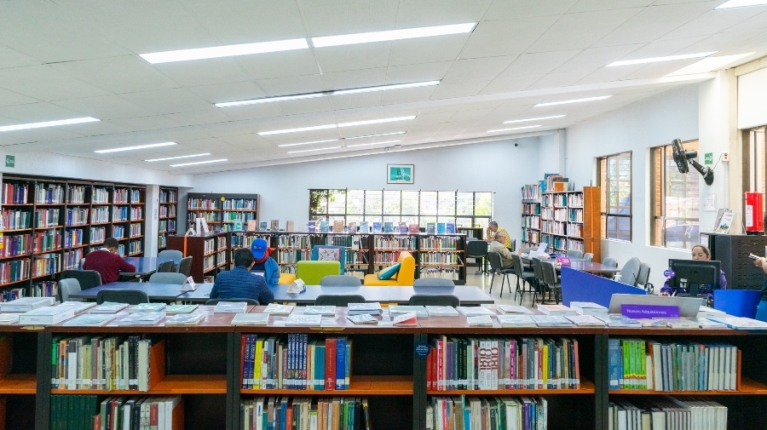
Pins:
x,y
699,253
239,283
264,263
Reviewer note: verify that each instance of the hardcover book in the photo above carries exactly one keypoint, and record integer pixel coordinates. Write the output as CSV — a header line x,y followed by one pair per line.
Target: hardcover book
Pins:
x,y
324,226
250,319
147,307
304,320
431,228
180,309
311,226
473,311
403,228
450,228
364,227
442,311
276,309
362,319
263,226
320,310
441,229
91,320
376,227
388,227
414,228
186,319
516,321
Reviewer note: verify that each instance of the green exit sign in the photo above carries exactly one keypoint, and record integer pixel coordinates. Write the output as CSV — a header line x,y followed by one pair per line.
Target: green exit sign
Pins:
x,y
10,161
709,158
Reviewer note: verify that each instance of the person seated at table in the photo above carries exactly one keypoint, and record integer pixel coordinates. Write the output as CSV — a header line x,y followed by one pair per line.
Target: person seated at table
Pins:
x,y
498,245
108,262
264,263
239,283
699,253
493,229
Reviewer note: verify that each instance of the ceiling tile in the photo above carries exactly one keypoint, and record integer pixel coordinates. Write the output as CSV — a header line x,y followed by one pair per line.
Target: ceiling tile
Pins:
x,y
594,5
661,48
426,50
278,64
508,9
355,78
593,58
228,92
712,22
581,30
418,72
449,91
145,123
506,37
207,116
45,83
124,74
335,17
169,101
292,85
35,112
510,82
422,13
12,58
9,98
355,101
408,95
296,107
196,73
352,57
264,110
561,79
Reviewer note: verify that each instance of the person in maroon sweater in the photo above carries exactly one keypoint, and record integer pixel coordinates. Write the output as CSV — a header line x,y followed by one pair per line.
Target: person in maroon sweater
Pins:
x,y
107,262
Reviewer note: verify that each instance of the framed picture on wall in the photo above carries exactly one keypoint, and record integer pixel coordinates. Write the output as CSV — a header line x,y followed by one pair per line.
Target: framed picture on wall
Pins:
x,y
400,173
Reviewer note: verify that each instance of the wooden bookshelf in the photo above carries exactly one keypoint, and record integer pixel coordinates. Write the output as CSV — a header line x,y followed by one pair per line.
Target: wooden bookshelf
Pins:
x,y
209,263
531,216
569,220
222,211
168,222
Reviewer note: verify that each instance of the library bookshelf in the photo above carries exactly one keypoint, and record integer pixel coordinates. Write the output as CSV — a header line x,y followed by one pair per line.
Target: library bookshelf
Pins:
x,y
168,224
222,211
51,224
210,253
565,220
531,216
204,365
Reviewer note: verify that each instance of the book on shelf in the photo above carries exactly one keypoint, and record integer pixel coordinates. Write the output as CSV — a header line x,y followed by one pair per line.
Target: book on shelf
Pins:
x,y
450,228
667,413
560,310
263,226
473,311
251,225
25,304
403,228
516,320
277,309
311,226
8,319
442,311
275,225
180,309
230,307
142,319
408,319
414,228
616,320
507,413
352,227
250,319
740,323
514,309
46,315
388,227
585,320
304,320
376,227
109,308
320,413
420,311
338,226
362,319
90,320
431,228
588,308
364,227
147,307
372,308
551,321
480,321
186,319
320,310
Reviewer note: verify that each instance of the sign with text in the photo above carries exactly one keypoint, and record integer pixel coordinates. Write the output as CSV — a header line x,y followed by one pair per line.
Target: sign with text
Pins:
x,y
10,161
649,311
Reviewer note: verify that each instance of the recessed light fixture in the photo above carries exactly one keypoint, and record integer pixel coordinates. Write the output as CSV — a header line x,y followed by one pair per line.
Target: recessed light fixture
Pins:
x,y
709,64
368,144
31,125
225,51
374,135
383,36
339,125
176,158
131,148
312,150
741,3
270,100
513,128
199,162
660,59
566,102
285,145
385,88
533,119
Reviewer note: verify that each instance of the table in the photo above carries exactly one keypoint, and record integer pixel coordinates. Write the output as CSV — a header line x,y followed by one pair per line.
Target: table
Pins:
x,y
145,266
590,267
155,290
371,294
469,296
200,295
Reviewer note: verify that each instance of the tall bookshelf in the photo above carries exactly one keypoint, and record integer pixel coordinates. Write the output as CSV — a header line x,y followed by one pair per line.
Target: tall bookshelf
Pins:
x,y
222,211
167,224
570,221
210,253
531,216
50,224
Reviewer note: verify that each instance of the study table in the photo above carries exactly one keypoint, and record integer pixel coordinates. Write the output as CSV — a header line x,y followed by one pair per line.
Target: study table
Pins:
x,y
580,265
145,266
468,295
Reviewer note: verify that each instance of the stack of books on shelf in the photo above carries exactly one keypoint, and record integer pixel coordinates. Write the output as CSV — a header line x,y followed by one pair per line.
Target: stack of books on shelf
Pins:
x,y
285,412
667,413
496,413
117,413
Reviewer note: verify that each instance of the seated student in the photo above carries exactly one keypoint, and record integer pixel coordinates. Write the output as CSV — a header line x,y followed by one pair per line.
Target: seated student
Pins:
x,y
498,245
107,262
265,263
699,253
761,308
239,283
492,229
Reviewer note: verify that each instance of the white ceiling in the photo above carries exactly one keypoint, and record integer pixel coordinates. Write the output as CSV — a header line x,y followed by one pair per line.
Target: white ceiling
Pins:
x,y
70,58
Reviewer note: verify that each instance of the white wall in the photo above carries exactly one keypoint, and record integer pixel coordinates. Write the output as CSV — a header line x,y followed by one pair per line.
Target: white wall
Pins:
x,y
637,127
494,166
752,99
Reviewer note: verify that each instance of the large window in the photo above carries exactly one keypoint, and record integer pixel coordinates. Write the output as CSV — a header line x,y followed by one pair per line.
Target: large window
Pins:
x,y
614,177
675,197
464,208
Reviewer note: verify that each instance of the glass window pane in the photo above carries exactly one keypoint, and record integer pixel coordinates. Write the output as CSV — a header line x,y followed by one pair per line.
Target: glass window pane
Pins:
x,y
411,219
446,203
427,219
446,219
372,218
391,202
463,222
373,203
481,223
428,203
392,218
318,201
410,202
353,219
336,201
483,204
355,202
465,204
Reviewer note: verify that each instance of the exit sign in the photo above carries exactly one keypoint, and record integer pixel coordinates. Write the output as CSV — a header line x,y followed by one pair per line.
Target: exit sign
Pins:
x,y
709,158
10,161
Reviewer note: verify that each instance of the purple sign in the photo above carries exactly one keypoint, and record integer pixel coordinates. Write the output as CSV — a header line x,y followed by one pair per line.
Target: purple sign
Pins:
x,y
650,311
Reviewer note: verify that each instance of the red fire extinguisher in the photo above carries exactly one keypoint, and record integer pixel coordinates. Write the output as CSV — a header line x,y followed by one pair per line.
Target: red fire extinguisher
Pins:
x,y
754,213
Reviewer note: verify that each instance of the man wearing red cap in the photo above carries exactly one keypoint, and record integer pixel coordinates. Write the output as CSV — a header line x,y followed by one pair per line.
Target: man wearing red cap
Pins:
x,y
265,263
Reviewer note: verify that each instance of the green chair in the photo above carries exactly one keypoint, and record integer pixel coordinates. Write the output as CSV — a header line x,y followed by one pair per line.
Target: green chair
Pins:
x,y
312,272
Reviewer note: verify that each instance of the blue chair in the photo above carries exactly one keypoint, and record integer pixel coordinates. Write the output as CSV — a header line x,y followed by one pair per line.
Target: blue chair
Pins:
x,y
330,253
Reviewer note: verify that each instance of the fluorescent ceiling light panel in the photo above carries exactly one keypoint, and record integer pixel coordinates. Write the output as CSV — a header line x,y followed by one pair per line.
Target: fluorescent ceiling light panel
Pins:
x,y
285,145
176,158
374,135
376,121
31,125
270,100
296,130
741,3
131,148
533,119
199,162
385,88
383,36
374,143
660,59
514,128
567,102
311,150
709,64
225,51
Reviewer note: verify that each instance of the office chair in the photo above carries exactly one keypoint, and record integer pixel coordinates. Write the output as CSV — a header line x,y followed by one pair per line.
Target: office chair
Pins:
x,y
185,266
495,265
575,254
338,299
477,249
340,281
168,277
252,302
588,257
630,271
612,264
433,282
644,274
171,254
131,297
434,300
166,266
551,281
539,280
67,287
523,275
86,278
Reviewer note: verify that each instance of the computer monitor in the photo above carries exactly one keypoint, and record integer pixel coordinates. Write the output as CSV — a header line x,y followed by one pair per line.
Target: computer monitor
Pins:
x,y
690,274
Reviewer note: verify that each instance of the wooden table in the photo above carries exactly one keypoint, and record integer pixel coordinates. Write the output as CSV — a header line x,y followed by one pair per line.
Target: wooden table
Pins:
x,y
155,290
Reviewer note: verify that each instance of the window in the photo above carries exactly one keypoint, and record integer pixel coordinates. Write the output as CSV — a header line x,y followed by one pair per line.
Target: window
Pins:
x,y
465,209
675,196
754,163
614,178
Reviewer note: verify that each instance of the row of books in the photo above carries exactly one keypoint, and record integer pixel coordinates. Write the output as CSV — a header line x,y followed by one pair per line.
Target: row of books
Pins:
x,y
195,203
575,229
496,413
120,213
531,221
299,241
100,215
42,289
458,363
293,256
120,195
47,217
73,237
246,204
167,211
68,412
638,364
136,213
209,262
46,264
667,413
48,240
531,192
162,241
135,246
49,194
531,208
305,413
14,219
72,258
395,242
168,196
118,232
551,227
298,364
15,193
207,216
243,241
101,363
76,194
439,243
100,195
237,216
98,235
575,215
135,196
556,214
386,257
531,237
209,245
17,245
135,230
439,258
559,200
77,216
434,272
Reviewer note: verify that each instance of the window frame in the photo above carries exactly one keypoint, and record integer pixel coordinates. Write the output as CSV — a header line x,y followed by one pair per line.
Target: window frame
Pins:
x,y
654,197
324,193
603,196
